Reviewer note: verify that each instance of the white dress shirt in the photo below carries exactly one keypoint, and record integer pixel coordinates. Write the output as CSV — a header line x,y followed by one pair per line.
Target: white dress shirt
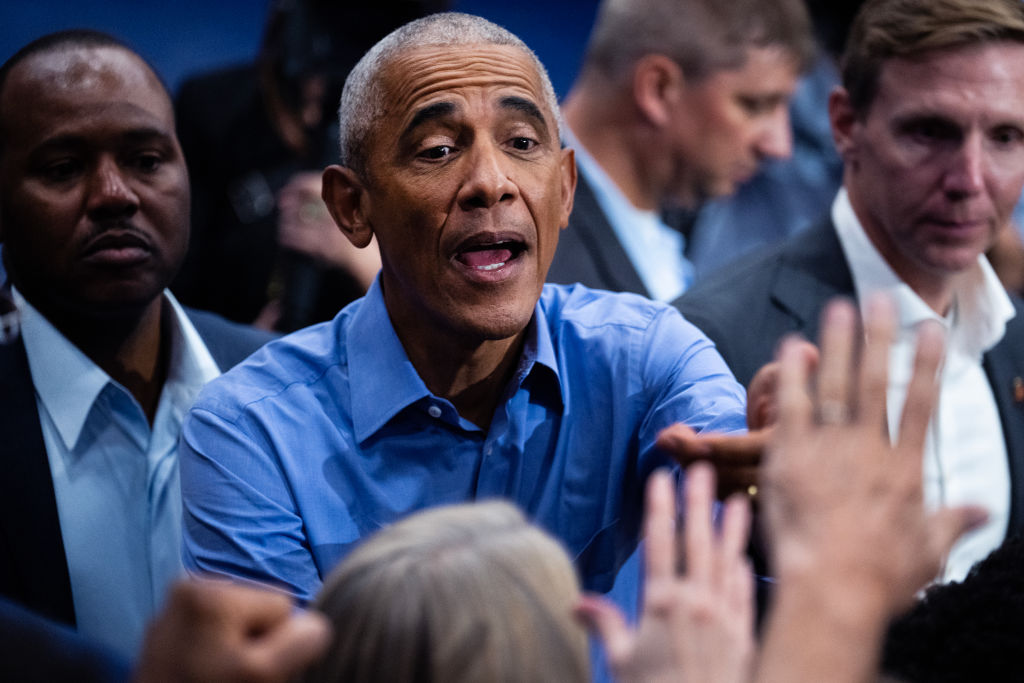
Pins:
x,y
115,478
654,249
965,452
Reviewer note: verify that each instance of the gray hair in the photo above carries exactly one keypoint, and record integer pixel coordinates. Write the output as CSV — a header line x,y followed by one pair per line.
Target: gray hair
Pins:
x,y
702,36
460,593
362,100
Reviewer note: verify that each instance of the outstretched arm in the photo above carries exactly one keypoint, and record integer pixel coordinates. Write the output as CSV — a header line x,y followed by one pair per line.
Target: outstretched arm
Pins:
x,y
696,625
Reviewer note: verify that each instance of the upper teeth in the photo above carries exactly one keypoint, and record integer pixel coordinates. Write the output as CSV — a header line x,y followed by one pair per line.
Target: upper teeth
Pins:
x,y
493,266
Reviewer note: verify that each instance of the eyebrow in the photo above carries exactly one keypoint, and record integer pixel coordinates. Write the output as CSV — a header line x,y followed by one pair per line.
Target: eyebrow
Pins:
x,y
430,112
525,106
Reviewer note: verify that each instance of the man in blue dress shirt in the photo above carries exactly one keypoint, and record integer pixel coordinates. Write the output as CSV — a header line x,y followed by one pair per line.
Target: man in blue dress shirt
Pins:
x,y
459,375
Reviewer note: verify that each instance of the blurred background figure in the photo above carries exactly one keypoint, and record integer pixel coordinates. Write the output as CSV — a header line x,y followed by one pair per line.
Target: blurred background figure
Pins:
x,y
256,137
786,195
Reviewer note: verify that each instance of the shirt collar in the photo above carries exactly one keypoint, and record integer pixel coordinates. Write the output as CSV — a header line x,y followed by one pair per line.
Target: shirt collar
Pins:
x,y
68,383
982,307
638,230
383,380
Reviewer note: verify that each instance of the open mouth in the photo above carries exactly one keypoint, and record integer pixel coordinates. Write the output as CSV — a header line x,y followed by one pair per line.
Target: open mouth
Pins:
x,y
490,256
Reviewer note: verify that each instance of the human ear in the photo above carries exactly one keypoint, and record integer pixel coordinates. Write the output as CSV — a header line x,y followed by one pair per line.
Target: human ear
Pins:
x,y
346,199
658,84
843,119
567,176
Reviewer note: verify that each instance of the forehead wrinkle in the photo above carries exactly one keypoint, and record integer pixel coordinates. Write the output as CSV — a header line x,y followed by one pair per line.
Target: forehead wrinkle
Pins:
x,y
421,73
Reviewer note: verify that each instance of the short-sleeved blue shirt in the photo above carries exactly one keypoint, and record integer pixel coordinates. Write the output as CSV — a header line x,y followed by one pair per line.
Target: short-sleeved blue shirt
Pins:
x,y
326,435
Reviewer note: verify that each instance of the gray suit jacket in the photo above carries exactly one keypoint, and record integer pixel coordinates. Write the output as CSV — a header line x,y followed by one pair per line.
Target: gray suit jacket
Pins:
x,y
590,252
747,308
33,566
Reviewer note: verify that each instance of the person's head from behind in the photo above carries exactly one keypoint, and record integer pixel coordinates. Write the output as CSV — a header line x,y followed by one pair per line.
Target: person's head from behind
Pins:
x,y
930,125
710,80
94,194
450,155
455,594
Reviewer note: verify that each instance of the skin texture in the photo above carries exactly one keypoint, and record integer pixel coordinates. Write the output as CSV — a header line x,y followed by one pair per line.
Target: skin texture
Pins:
x,y
665,139
94,204
218,632
936,164
696,625
850,537
92,163
468,154
723,126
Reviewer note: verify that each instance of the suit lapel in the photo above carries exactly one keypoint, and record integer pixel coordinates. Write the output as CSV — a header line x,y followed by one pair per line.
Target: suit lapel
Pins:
x,y
36,571
598,236
1004,367
810,273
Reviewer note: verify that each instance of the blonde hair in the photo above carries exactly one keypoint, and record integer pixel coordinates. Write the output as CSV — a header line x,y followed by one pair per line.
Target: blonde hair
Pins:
x,y
462,594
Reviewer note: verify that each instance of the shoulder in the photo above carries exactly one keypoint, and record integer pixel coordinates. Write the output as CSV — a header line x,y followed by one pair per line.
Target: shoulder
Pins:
x,y
292,363
595,324
228,342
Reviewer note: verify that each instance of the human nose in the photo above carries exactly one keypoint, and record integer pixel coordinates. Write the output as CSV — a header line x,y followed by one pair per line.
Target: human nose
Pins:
x,y
776,140
965,175
487,181
110,192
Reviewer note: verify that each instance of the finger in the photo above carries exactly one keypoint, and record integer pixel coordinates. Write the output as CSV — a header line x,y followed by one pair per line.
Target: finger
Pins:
x,y
874,366
923,390
946,525
735,527
604,620
761,397
795,405
283,651
680,441
837,346
698,531
723,450
660,526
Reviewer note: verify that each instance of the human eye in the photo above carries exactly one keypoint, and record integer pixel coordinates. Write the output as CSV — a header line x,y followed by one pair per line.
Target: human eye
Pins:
x,y
523,143
930,130
436,152
61,170
759,106
147,161
1007,136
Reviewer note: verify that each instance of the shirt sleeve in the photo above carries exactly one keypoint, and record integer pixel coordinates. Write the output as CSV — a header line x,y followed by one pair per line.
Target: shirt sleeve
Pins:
x,y
686,380
239,516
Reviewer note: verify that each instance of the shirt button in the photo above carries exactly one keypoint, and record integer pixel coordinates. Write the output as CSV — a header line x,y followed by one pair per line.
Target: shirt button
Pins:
x,y
434,411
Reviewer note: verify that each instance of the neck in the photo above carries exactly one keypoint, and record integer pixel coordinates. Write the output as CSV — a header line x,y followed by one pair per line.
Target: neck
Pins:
x,y
131,349
472,377
935,288
616,138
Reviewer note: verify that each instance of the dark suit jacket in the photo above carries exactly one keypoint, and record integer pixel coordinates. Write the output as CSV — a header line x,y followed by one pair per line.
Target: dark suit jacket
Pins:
x,y
33,567
590,252
748,308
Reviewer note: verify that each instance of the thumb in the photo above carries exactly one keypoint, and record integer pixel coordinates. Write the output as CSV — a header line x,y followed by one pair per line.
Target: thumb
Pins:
x,y
945,526
285,651
604,620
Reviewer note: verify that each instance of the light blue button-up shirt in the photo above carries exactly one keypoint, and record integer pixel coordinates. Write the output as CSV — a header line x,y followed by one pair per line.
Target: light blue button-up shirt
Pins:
x,y
322,437
115,478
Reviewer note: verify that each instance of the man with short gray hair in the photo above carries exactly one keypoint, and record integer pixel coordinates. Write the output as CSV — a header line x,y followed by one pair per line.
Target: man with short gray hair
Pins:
x,y
460,375
677,101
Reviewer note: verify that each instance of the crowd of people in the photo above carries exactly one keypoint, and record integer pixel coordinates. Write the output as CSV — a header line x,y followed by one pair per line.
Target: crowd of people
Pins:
x,y
535,419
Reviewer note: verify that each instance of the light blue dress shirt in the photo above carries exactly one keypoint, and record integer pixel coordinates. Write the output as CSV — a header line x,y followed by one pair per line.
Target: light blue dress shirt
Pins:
x,y
115,478
326,435
654,249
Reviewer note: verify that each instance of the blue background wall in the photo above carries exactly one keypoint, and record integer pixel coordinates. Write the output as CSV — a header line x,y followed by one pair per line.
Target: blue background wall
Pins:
x,y
183,37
